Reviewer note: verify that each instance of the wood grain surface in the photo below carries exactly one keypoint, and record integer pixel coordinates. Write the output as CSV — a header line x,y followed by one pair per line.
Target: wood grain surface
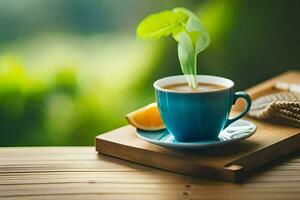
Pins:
x,y
80,173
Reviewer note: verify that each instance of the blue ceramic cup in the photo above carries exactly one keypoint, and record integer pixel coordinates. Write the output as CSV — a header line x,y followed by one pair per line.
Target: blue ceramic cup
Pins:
x,y
201,115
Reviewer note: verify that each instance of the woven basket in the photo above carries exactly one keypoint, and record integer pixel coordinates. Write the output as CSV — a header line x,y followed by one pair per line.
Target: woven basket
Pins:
x,y
283,107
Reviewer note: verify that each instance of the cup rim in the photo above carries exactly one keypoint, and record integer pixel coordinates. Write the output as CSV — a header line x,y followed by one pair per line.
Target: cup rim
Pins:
x,y
158,84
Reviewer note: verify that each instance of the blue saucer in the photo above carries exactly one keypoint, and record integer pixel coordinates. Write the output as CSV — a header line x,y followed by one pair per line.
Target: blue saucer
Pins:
x,y
235,132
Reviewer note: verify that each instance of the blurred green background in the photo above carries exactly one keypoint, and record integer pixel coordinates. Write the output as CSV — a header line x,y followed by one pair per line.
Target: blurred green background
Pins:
x,y
72,69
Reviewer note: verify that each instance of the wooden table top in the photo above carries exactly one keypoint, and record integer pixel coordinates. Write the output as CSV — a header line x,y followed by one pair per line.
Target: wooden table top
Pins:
x,y
80,173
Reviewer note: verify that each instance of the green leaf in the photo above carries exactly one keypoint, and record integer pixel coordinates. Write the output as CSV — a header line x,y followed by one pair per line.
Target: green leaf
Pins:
x,y
161,24
177,31
197,32
186,29
187,58
200,41
201,37
187,12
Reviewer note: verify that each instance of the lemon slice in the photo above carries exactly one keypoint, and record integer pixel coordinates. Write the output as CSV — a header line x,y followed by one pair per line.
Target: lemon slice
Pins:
x,y
147,118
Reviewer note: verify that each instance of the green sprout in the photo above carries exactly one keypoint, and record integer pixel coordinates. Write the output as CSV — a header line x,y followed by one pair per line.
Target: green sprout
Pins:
x,y
186,29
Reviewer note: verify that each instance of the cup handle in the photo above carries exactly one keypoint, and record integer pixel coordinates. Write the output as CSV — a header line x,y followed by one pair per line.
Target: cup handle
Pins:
x,y
244,95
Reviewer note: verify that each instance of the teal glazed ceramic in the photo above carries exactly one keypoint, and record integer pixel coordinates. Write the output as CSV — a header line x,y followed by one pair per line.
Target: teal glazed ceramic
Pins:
x,y
197,116
235,132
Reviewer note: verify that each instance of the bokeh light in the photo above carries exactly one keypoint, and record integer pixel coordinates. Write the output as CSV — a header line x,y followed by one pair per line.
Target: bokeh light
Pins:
x,y
70,70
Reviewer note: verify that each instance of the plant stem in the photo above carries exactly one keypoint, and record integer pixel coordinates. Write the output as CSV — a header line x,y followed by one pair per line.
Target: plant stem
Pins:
x,y
192,78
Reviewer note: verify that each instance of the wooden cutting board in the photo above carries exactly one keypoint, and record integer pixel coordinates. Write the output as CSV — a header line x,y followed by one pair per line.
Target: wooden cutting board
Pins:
x,y
228,163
